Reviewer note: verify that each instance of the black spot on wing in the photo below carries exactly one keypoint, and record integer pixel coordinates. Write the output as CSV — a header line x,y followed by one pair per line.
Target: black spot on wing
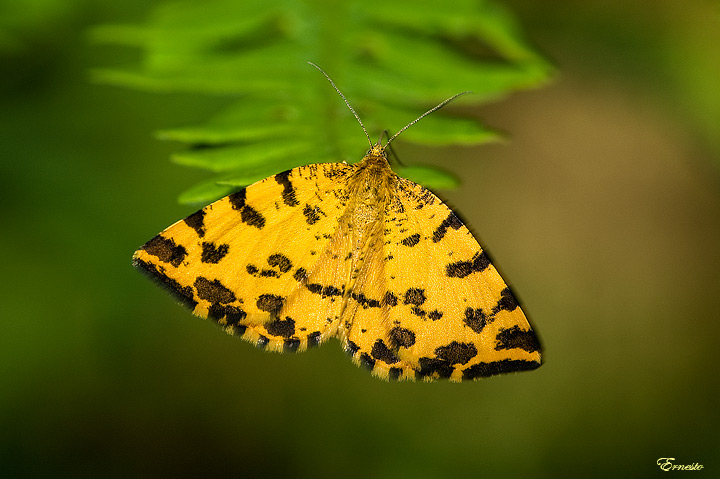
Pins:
x,y
457,353
270,303
507,302
279,264
367,361
281,327
499,367
252,217
436,368
237,200
460,269
383,353
291,345
452,221
288,193
196,221
401,337
262,342
476,319
280,261
300,275
232,314
331,291
394,374
516,338
364,301
247,213
411,240
212,253
313,339
261,273
213,291
182,293
435,315
352,348
324,291
166,250
414,296
390,299
312,214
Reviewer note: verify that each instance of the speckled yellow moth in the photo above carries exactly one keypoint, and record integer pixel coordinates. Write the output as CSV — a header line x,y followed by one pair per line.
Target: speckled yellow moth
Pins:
x,y
353,252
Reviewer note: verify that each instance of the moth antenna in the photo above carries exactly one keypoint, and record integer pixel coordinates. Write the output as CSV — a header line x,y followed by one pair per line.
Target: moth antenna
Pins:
x,y
425,114
348,103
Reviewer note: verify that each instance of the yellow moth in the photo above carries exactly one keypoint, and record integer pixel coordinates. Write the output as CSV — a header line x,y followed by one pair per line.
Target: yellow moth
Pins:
x,y
353,252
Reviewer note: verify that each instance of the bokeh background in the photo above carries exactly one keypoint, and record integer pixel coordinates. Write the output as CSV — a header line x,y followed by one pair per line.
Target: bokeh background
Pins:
x,y
602,209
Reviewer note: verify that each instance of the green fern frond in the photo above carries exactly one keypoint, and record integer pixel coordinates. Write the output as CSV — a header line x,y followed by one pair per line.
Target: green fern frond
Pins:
x,y
392,60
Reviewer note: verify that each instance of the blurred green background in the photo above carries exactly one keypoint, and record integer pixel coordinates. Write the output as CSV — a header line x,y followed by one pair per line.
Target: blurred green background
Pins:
x,y
602,210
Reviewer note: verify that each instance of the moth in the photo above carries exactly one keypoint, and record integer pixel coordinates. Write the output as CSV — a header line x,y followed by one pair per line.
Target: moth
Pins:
x,y
353,252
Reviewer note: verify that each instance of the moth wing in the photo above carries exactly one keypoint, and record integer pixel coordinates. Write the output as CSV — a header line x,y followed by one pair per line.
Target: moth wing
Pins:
x,y
433,305
251,261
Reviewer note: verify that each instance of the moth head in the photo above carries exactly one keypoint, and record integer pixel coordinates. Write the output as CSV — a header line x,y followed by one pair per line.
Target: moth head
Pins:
x,y
377,150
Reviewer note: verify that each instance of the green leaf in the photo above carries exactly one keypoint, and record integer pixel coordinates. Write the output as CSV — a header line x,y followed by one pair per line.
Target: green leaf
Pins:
x,y
429,176
204,192
221,159
393,61
252,120
435,129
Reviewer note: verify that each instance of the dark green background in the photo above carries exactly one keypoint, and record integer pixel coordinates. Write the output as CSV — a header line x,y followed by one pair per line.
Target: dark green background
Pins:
x,y
602,210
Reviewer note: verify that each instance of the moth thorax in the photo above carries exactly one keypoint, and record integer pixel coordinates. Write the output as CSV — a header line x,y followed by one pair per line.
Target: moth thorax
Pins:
x,y
374,185
376,158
